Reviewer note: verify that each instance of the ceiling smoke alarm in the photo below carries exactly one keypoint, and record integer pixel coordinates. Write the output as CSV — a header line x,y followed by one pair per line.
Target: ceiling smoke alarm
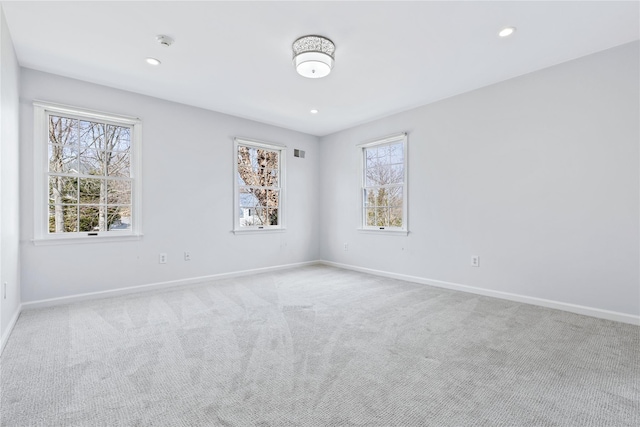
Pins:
x,y
164,40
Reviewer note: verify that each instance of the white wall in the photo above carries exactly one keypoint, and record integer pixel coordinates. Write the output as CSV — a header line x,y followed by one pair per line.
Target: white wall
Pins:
x,y
537,175
9,183
187,197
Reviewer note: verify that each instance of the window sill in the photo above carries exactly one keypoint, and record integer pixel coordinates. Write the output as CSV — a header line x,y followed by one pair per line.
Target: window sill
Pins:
x,y
259,231
388,231
85,239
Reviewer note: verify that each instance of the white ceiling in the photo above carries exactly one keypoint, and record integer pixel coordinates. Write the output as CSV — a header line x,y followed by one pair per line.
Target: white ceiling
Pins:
x,y
235,57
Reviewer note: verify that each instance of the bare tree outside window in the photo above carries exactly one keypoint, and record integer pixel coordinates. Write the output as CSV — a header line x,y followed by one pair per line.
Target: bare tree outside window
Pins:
x,y
259,186
89,174
383,189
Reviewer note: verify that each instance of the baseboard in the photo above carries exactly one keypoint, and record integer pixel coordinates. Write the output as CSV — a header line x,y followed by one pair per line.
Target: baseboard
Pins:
x,y
573,308
156,286
12,323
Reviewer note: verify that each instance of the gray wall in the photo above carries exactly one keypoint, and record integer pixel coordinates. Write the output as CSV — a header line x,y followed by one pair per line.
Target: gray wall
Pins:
x,y
537,175
187,197
9,183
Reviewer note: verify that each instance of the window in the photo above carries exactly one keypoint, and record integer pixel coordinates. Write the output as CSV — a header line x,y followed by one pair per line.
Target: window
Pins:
x,y
87,163
259,183
384,184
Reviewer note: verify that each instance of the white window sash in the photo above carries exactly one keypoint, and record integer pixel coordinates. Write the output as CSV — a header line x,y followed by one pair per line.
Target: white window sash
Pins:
x,y
281,150
389,140
42,111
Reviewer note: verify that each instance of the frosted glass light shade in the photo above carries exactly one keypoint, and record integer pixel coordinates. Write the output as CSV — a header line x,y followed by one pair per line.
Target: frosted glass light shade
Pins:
x,y
313,56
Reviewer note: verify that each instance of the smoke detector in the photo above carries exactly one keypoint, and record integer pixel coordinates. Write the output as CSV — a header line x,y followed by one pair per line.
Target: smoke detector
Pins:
x,y
164,40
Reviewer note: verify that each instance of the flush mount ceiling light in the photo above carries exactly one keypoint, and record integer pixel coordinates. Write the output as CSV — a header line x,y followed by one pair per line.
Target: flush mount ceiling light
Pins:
x,y
152,61
313,56
507,31
314,111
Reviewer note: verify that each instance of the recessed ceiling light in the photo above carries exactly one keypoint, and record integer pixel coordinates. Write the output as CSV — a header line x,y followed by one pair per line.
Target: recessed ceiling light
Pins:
x,y
507,31
153,61
314,111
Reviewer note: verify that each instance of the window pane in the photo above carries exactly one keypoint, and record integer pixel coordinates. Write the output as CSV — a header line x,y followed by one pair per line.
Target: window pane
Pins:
x,y
63,218
273,198
63,158
272,217
269,178
117,164
245,217
118,192
370,216
247,199
372,177
267,159
384,153
90,218
261,217
396,174
246,175
63,190
63,131
370,197
382,217
118,138
119,217
91,161
261,196
92,191
383,197
395,217
396,153
394,196
376,197
371,157
91,135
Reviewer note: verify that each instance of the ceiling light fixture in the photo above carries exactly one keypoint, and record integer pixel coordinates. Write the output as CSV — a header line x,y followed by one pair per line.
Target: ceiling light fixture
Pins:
x,y
153,61
313,56
507,31
314,111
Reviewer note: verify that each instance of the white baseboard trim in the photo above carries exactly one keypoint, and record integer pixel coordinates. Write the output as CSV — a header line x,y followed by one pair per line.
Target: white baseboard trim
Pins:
x,y
573,308
155,286
7,333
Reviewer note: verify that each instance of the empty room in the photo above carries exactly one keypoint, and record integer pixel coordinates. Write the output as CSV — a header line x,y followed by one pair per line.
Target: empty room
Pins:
x,y
320,213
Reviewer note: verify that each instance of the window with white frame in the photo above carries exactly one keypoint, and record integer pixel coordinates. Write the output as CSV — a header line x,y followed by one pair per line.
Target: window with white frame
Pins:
x,y
384,184
88,173
259,183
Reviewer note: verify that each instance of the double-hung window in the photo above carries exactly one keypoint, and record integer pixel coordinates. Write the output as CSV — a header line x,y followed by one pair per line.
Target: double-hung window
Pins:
x,y
87,165
259,185
384,184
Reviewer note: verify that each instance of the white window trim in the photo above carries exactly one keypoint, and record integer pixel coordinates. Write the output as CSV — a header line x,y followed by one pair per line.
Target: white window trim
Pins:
x,y
41,162
404,230
282,179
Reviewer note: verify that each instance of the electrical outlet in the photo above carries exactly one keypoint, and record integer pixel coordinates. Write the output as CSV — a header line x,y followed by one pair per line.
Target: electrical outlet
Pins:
x,y
475,261
187,256
346,246
162,258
